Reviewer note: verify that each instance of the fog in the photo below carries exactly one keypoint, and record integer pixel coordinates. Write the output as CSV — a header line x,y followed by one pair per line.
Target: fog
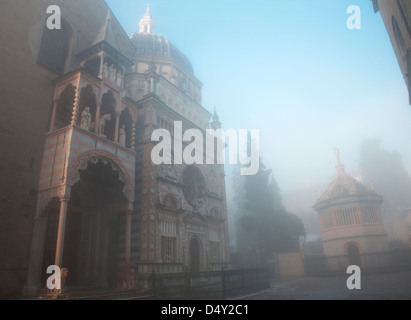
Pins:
x,y
296,73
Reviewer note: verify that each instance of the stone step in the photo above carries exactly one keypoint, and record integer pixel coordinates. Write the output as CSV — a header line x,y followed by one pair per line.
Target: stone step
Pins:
x,y
87,293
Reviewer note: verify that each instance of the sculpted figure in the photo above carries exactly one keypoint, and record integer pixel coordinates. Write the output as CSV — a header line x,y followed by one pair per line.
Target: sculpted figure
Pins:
x,y
112,73
85,121
119,78
122,136
105,70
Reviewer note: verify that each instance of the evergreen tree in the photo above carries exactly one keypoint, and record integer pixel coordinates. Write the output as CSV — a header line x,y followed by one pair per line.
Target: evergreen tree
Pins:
x,y
265,226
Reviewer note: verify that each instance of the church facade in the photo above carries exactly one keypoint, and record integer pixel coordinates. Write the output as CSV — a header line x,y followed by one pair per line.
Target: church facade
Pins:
x,y
94,201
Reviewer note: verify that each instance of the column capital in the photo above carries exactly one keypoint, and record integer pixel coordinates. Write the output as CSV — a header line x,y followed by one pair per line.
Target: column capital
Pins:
x,y
130,208
64,198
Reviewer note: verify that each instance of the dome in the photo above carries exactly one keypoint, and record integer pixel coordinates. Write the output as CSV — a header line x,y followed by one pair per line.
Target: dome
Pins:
x,y
156,45
344,186
150,44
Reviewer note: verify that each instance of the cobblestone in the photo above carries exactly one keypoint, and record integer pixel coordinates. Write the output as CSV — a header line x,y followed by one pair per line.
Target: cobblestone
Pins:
x,y
390,286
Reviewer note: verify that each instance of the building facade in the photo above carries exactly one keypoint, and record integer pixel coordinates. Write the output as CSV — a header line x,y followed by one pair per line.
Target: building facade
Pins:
x,y
396,15
80,189
350,218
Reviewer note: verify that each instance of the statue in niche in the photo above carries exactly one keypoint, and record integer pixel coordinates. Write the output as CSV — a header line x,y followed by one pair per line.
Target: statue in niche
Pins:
x,y
105,70
85,121
112,73
122,136
102,124
119,78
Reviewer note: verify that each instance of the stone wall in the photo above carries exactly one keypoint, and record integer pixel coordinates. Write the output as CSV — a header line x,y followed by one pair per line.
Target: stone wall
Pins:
x,y
26,93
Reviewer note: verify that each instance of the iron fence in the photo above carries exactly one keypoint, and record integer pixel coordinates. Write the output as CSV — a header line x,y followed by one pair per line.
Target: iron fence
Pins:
x,y
387,261
214,285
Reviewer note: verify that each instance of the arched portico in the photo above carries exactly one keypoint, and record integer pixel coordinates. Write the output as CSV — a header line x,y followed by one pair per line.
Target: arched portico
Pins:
x,y
80,224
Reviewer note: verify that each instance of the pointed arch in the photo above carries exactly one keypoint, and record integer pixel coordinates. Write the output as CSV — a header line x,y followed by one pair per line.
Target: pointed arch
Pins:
x,y
64,107
126,123
94,156
87,99
108,107
353,252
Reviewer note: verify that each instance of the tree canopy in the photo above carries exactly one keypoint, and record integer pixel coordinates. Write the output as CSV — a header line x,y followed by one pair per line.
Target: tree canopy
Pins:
x,y
264,225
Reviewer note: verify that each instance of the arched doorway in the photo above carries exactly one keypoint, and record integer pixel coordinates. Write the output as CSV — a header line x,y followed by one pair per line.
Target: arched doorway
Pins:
x,y
94,227
195,249
354,256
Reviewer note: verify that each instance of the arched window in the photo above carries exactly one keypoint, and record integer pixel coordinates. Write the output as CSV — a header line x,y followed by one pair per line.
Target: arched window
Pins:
x,y
354,256
87,99
125,127
54,48
194,185
108,115
64,107
170,202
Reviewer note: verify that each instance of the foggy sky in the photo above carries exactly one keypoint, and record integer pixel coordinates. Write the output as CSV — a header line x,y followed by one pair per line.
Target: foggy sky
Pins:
x,y
293,70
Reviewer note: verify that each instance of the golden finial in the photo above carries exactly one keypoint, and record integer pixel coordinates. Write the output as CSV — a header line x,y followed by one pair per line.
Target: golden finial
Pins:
x,y
340,166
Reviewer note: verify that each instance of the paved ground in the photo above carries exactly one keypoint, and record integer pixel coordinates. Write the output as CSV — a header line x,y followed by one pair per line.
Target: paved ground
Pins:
x,y
393,286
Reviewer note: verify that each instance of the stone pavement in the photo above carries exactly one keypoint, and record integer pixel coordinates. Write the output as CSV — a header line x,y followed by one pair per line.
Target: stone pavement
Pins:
x,y
389,286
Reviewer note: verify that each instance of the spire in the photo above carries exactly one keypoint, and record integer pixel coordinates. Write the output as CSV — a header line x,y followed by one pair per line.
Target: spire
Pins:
x,y
147,23
215,115
216,122
340,166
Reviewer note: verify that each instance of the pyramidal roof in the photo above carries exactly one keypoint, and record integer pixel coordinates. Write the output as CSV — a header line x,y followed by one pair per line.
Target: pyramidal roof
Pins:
x,y
344,185
112,34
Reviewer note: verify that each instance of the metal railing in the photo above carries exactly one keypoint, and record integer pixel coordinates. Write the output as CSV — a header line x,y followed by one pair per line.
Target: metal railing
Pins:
x,y
214,285
387,261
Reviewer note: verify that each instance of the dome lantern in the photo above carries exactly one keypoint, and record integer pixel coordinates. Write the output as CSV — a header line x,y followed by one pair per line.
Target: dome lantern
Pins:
x,y
147,23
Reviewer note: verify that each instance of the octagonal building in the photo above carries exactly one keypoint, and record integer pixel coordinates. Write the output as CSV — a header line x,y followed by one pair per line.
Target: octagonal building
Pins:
x,y
350,219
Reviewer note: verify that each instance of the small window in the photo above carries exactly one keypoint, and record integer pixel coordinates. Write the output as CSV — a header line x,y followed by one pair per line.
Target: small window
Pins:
x,y
54,48
168,249
215,251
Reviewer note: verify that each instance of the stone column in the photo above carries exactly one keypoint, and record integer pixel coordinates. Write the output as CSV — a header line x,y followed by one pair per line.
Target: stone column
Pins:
x,y
117,127
133,136
53,116
61,231
36,257
74,118
129,213
99,102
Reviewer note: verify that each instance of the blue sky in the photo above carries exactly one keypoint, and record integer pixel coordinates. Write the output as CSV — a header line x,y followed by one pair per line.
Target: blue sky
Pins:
x,y
292,69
